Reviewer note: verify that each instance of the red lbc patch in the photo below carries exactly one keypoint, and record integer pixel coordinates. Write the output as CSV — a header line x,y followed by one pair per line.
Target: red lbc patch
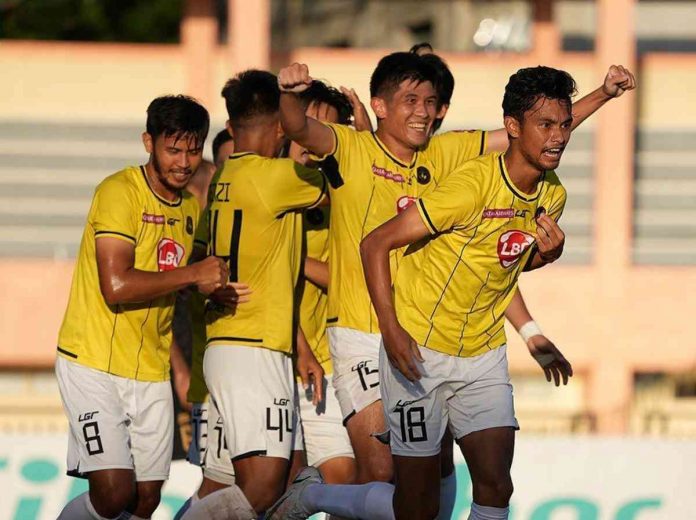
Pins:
x,y
404,202
511,246
169,254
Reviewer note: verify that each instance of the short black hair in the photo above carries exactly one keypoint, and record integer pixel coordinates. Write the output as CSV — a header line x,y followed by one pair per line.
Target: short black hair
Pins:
x,y
398,67
420,46
526,86
251,94
221,138
320,92
180,116
445,79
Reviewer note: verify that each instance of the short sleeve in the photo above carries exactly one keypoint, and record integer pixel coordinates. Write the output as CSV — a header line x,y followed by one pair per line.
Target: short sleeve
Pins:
x,y
455,204
288,185
450,150
555,197
346,143
115,211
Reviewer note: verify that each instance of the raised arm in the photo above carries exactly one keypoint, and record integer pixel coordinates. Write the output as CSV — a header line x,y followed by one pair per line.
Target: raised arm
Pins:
x,y
304,130
404,229
617,81
120,282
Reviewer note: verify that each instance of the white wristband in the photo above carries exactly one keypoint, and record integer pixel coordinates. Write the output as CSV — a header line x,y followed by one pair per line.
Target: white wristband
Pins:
x,y
528,330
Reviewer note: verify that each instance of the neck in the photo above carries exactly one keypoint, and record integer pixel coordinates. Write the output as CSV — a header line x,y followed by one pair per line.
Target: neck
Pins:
x,y
399,150
157,186
522,173
254,141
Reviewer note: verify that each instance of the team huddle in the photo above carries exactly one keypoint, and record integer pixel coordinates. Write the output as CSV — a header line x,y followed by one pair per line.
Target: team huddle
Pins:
x,y
345,292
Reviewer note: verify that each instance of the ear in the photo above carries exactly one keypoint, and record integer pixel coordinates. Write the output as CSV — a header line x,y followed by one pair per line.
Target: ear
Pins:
x,y
442,112
379,107
148,142
279,130
512,126
228,126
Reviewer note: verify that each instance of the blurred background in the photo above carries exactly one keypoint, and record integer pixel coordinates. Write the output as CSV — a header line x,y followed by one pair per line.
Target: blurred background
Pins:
x,y
619,442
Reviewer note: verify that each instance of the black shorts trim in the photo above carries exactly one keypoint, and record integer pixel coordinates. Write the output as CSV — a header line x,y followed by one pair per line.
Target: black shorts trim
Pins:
x,y
248,454
66,352
349,417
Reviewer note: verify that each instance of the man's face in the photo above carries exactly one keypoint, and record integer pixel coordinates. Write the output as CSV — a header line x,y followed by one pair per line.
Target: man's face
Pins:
x,y
321,112
174,159
545,132
226,149
408,114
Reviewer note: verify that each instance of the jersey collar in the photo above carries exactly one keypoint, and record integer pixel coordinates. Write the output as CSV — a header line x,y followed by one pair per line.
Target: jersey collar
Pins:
x,y
169,203
527,197
391,156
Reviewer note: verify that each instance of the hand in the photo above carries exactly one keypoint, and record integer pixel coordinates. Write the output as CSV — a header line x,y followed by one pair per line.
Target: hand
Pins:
x,y
231,294
361,119
294,78
550,239
550,359
211,273
402,351
311,373
618,80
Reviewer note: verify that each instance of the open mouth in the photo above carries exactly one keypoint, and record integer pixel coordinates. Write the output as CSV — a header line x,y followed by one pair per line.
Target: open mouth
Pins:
x,y
418,127
553,153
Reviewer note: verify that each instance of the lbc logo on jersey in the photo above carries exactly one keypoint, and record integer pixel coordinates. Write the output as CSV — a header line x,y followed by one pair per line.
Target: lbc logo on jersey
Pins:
x,y
511,246
169,254
404,202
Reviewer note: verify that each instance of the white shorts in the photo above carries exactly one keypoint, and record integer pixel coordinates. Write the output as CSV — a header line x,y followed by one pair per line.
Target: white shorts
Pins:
x,y
116,422
199,433
355,357
217,462
325,437
253,391
472,394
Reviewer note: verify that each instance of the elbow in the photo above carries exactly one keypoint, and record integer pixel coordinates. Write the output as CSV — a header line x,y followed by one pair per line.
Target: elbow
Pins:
x,y
367,247
112,292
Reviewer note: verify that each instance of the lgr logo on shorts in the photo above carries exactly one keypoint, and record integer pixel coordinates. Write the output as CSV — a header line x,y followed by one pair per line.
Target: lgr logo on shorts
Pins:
x,y
512,245
169,254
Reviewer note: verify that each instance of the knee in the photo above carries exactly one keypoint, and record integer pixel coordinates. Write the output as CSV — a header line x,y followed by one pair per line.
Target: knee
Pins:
x,y
263,496
495,492
375,473
148,502
110,500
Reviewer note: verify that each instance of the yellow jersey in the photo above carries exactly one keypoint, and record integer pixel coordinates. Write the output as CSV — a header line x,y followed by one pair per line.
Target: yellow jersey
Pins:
x,y
128,340
372,187
451,294
313,304
253,222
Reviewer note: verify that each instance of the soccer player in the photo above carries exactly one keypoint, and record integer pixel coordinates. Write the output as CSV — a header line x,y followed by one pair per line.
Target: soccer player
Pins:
x,y
113,347
443,352
253,223
326,441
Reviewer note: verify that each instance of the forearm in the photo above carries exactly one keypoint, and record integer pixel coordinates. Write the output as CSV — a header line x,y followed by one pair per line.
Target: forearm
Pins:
x,y
588,105
517,313
375,259
317,272
292,117
134,285
178,361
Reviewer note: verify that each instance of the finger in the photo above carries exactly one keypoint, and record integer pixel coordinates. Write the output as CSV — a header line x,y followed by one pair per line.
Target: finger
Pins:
x,y
547,373
543,242
552,229
417,352
408,368
556,376
318,389
564,374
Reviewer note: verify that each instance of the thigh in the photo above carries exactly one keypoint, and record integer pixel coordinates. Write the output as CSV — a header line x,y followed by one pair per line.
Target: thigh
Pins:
x,y
417,487
355,357
99,437
481,394
217,462
151,430
325,437
489,454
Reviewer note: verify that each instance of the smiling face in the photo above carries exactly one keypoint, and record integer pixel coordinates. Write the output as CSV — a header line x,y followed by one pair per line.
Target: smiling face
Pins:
x,y
543,133
406,116
173,159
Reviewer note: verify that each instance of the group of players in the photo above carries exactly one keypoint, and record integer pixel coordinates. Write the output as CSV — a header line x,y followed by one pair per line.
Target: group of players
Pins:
x,y
388,307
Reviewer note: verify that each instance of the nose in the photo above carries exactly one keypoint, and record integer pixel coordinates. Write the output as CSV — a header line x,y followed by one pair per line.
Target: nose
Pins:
x,y
420,109
559,135
185,161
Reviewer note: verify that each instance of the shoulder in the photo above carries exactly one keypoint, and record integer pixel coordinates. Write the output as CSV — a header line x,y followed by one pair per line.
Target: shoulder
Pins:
x,y
124,182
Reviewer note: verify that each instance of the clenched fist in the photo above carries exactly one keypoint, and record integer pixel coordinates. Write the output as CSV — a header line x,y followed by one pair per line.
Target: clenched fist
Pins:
x,y
211,273
618,80
294,78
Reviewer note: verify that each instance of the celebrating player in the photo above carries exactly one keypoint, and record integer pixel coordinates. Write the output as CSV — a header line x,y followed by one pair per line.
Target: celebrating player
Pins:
x,y
113,346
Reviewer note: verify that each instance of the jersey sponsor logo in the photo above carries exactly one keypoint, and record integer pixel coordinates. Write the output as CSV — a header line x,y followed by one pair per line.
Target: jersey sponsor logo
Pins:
x,y
169,254
171,221
512,245
87,416
149,218
404,202
499,213
383,172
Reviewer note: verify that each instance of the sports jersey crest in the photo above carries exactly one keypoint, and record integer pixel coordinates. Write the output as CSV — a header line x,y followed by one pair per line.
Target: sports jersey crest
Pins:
x,y
512,245
169,254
